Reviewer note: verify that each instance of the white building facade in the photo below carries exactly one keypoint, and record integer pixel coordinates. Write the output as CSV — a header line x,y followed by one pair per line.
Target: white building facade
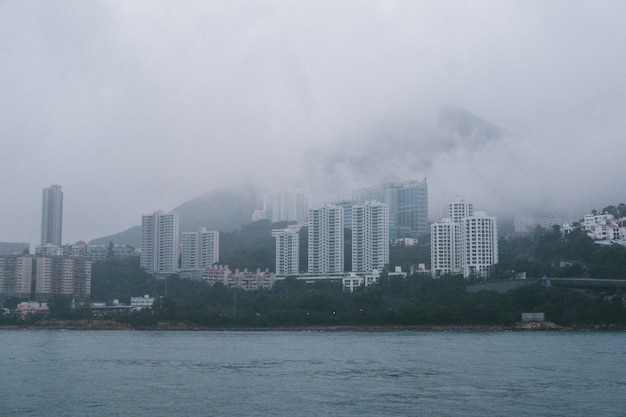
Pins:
x,y
445,248
200,249
466,241
159,242
326,240
287,251
370,236
480,242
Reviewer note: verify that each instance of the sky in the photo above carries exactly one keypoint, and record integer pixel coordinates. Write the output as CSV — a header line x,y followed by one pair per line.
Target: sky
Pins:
x,y
137,106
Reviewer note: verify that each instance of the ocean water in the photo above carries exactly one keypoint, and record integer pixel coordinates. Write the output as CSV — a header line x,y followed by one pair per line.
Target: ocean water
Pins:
x,y
135,373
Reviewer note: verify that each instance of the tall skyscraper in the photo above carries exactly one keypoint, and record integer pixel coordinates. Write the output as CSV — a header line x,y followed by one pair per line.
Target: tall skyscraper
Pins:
x,y
52,215
159,242
201,249
370,237
287,251
326,240
408,206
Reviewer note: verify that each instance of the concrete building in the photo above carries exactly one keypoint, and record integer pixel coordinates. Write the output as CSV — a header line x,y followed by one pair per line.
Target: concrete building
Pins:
x,y
285,206
480,242
446,249
287,251
458,210
62,275
466,243
326,240
159,242
370,236
200,249
526,224
246,280
16,273
408,206
141,302
52,215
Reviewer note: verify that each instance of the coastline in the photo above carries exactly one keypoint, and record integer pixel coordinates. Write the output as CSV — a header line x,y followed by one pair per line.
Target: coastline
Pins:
x,y
86,324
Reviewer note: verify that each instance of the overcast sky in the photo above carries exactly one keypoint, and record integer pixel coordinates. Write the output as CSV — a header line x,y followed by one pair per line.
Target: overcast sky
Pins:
x,y
133,106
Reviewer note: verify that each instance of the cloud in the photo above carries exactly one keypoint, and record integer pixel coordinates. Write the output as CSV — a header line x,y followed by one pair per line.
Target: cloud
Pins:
x,y
136,106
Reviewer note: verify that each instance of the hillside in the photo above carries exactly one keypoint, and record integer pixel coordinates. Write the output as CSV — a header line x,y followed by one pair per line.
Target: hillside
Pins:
x,y
223,210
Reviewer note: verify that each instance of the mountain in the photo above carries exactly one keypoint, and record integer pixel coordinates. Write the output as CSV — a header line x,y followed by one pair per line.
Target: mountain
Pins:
x,y
223,210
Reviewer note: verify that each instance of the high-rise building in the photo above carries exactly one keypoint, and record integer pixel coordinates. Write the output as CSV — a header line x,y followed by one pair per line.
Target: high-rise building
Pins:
x,y
15,276
287,251
52,215
200,249
159,242
459,209
370,237
480,238
445,248
286,206
326,240
408,206
62,275
464,242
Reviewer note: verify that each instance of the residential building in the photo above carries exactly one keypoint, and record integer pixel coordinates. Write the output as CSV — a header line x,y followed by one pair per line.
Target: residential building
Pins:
x,y
408,206
62,275
200,249
458,210
159,242
370,236
326,240
464,242
52,215
480,239
287,251
246,280
285,206
446,248
141,302
16,273
526,224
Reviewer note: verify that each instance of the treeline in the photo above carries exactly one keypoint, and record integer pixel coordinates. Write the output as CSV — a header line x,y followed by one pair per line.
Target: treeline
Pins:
x,y
415,300
548,252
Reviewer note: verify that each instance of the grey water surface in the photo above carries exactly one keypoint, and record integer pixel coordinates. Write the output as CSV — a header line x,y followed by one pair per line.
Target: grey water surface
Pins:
x,y
273,373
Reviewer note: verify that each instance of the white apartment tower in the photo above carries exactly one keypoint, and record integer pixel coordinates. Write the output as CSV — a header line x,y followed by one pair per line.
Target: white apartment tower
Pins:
x,y
287,251
159,242
200,249
370,236
446,249
459,209
326,240
52,215
463,242
480,236
286,206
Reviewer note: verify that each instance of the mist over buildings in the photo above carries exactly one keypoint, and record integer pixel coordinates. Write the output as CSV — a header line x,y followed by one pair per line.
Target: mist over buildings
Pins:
x,y
138,106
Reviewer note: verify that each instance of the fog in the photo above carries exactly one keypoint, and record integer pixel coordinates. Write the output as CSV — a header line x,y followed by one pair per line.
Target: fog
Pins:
x,y
138,106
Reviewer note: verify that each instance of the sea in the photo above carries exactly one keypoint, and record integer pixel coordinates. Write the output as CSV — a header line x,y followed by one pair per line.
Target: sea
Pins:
x,y
311,373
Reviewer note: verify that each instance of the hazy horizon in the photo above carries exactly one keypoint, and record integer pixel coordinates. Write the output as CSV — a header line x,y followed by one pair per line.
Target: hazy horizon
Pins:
x,y
140,106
